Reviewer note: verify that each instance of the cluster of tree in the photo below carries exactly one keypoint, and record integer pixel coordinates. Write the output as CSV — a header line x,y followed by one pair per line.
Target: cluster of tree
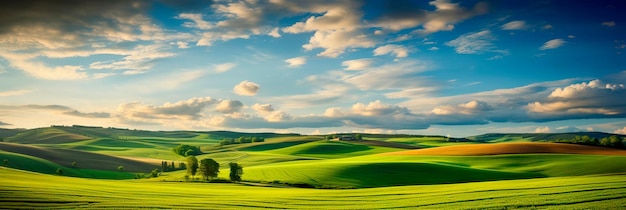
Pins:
x,y
356,136
613,141
242,140
452,139
209,169
165,166
187,150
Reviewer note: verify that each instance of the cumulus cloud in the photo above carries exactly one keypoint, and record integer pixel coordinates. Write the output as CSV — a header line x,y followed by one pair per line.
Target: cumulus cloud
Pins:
x,y
296,62
608,23
544,129
246,88
475,43
85,29
335,42
399,15
552,44
185,109
263,108
224,67
357,64
514,25
472,107
587,98
377,108
397,50
277,116
229,106
620,131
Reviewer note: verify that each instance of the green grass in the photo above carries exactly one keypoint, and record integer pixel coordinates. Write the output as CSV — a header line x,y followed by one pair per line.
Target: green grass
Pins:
x,y
24,190
331,149
29,163
423,142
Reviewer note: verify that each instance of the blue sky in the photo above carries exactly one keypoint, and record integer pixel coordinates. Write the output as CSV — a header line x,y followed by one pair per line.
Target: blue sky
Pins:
x,y
455,68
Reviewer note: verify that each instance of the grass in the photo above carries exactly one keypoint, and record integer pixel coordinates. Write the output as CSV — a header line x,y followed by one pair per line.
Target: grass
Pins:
x,y
423,142
25,190
331,149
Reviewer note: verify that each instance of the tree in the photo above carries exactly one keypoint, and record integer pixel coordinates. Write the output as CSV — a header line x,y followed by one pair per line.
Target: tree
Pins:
x,y
192,165
358,136
59,171
616,141
5,162
235,172
155,172
186,150
605,142
209,169
120,168
74,164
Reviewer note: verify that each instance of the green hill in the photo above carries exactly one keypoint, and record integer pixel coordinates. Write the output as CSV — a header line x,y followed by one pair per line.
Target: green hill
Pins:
x,y
331,149
532,137
45,136
86,160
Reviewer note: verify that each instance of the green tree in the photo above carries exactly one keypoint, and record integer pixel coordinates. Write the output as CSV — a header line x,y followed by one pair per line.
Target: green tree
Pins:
x,y
192,165
186,150
616,141
605,142
59,171
74,164
155,172
358,136
235,172
120,168
209,169
5,162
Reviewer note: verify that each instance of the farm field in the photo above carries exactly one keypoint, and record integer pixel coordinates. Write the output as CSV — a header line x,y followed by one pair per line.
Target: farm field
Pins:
x,y
25,190
299,171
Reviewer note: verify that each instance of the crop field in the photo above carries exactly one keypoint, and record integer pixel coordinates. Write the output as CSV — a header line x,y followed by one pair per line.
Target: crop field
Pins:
x,y
294,171
26,190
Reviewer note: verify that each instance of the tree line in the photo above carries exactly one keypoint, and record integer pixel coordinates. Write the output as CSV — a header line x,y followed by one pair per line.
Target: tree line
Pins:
x,y
612,141
241,140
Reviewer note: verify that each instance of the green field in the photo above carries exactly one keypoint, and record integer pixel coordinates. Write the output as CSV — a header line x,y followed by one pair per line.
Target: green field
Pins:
x,y
26,190
283,171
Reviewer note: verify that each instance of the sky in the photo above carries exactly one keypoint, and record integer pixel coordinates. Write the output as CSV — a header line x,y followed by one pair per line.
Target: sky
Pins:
x,y
443,67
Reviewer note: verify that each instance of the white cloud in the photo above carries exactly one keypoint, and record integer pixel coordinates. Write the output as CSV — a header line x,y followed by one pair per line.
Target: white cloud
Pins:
x,y
472,107
544,129
399,51
263,108
185,110
41,70
296,62
229,106
514,25
182,45
357,64
399,75
224,67
547,27
433,48
377,108
335,42
196,21
14,92
587,98
552,44
475,43
620,131
278,116
608,23
246,88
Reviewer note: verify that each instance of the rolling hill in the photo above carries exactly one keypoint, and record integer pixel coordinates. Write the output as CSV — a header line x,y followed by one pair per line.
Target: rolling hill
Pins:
x,y
513,148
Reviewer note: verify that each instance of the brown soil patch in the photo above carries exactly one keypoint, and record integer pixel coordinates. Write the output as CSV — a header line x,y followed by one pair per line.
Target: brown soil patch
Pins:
x,y
512,148
86,160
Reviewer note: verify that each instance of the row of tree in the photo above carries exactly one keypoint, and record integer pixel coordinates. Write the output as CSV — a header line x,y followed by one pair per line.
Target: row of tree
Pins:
x,y
209,169
613,141
242,140
166,166
356,136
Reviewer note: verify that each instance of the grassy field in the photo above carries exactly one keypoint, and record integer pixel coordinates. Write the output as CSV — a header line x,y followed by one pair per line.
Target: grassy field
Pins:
x,y
384,171
26,190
